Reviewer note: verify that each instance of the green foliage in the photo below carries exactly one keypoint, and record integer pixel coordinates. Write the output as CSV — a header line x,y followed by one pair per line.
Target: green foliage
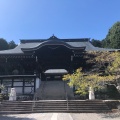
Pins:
x,y
96,43
83,80
77,79
112,39
114,68
3,44
2,87
12,44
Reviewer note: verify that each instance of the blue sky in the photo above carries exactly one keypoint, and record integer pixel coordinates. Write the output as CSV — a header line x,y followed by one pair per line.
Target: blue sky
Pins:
x,y
34,19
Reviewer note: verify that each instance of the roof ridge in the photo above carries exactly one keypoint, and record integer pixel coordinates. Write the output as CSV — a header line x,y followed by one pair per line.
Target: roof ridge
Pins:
x,y
65,40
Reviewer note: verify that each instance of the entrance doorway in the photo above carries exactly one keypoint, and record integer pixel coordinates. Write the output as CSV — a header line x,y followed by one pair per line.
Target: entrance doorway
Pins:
x,y
53,87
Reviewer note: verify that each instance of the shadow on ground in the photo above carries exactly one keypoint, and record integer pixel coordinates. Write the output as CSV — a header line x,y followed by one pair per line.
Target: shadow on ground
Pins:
x,y
14,117
111,115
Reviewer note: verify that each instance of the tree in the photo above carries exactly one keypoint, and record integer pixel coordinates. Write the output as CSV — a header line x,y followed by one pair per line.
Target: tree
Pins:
x,y
114,67
112,39
12,44
96,43
96,79
3,44
83,81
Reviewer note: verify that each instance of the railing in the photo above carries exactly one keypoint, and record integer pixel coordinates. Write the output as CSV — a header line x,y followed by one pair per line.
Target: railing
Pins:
x,y
118,109
42,91
20,73
66,95
35,95
67,99
34,100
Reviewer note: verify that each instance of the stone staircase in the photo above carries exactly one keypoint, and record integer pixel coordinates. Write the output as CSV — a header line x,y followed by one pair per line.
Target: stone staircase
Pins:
x,y
15,107
70,106
54,90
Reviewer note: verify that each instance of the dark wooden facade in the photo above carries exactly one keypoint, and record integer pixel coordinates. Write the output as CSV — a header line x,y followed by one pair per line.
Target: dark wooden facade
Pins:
x,y
49,54
22,65
36,56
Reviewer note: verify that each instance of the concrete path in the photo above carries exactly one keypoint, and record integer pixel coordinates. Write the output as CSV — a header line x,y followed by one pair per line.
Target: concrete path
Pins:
x,y
62,116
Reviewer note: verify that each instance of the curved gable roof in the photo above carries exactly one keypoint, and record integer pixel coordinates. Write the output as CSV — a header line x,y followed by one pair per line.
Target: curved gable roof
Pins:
x,y
34,44
53,42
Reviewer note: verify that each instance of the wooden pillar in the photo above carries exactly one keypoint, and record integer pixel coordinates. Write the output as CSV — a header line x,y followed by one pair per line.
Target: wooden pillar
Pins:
x,y
34,84
12,82
23,89
1,84
1,81
43,77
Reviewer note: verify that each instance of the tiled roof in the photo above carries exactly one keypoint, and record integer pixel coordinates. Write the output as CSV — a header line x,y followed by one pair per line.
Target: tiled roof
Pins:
x,y
55,71
84,42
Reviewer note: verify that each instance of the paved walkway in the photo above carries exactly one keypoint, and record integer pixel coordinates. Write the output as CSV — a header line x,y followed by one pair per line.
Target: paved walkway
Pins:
x,y
62,116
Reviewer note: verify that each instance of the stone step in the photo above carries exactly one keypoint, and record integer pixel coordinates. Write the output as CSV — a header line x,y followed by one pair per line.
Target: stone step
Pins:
x,y
65,111
53,106
51,111
49,90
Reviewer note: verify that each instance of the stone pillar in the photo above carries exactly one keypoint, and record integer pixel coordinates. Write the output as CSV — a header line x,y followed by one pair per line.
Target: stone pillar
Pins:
x,y
12,96
91,94
37,82
118,87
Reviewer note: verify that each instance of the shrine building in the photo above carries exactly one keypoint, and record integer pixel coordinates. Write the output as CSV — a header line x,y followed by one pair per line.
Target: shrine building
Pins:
x,y
37,60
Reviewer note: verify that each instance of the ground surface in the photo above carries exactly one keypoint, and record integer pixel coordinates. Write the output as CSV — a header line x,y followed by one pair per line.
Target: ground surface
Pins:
x,y
62,116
